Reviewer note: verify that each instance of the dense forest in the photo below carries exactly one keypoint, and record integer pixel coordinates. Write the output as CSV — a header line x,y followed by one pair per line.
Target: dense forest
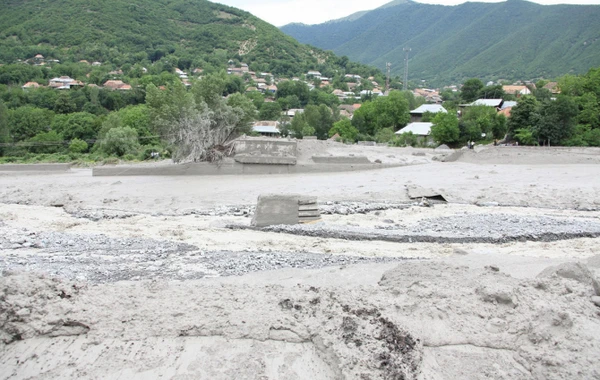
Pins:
x,y
510,40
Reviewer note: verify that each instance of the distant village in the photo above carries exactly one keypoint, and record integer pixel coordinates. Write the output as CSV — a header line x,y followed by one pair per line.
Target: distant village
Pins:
x,y
266,83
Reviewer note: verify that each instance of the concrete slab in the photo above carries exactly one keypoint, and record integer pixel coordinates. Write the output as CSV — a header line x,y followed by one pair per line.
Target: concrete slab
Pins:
x,y
418,192
341,159
235,168
35,167
267,160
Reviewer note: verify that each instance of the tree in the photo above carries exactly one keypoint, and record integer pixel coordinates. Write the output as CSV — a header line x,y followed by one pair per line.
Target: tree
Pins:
x,y
26,122
245,105
64,104
299,127
491,92
270,111
471,89
81,125
557,120
445,128
524,115
345,130
4,130
478,120
319,118
384,112
293,88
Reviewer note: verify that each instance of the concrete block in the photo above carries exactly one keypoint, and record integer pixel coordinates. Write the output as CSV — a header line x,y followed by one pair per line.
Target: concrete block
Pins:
x,y
265,147
273,209
266,160
35,167
341,159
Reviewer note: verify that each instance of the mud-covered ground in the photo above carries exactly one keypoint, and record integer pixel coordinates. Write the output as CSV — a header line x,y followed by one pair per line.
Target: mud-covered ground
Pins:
x,y
148,277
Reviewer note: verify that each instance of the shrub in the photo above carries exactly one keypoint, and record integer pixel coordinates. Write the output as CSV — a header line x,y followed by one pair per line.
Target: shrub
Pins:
x,y
78,146
46,142
119,141
405,139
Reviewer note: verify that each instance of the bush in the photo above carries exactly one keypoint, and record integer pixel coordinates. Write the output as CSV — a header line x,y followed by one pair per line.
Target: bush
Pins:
x,y
78,146
384,135
46,142
525,137
405,139
119,141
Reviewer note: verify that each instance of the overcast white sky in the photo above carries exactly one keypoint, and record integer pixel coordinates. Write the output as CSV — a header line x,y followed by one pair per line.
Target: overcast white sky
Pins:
x,y
282,12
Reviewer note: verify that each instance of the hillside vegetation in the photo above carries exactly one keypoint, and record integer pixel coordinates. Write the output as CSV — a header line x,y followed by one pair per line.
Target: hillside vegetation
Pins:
x,y
187,33
509,40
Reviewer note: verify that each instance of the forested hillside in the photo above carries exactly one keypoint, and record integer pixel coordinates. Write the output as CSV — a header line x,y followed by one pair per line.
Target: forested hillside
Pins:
x,y
510,40
190,33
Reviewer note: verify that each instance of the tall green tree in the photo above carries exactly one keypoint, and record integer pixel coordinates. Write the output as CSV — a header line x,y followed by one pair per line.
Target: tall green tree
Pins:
x,y
81,125
4,130
471,89
525,115
445,128
26,122
557,120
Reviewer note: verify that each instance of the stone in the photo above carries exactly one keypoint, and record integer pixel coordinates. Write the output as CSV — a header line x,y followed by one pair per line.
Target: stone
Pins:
x,y
596,300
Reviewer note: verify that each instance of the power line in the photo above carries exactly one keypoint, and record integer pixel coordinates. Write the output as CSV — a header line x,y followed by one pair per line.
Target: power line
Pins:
x,y
405,84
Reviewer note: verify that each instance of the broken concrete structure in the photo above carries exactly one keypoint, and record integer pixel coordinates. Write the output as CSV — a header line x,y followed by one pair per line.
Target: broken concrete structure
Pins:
x,y
273,209
265,151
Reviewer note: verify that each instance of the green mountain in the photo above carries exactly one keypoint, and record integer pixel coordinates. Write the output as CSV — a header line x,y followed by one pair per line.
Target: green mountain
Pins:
x,y
510,40
187,33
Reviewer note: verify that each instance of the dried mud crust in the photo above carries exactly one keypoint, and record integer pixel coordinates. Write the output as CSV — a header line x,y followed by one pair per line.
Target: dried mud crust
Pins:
x,y
350,335
423,320
25,302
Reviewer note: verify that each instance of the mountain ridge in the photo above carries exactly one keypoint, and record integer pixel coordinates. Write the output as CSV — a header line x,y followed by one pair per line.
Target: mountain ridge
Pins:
x,y
451,43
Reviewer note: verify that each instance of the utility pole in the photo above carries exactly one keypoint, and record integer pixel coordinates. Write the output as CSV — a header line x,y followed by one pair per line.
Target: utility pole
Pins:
x,y
388,66
405,84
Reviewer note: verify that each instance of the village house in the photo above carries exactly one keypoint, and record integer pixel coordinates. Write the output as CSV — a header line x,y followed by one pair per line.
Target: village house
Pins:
x,y
271,89
496,103
31,85
266,128
416,115
64,83
116,85
516,90
552,87
293,112
422,130
235,71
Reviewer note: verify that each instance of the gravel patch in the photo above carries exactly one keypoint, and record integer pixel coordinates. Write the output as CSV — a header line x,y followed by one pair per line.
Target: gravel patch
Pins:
x,y
474,228
101,259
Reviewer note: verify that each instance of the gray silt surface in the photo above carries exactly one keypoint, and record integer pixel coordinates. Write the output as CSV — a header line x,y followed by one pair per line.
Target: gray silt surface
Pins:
x,y
101,259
